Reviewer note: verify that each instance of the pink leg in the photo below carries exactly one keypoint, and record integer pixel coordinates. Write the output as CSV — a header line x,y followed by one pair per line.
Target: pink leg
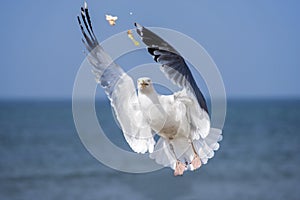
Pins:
x,y
179,169
196,162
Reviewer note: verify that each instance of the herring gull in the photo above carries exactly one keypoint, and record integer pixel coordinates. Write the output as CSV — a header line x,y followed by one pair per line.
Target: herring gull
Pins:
x,y
181,120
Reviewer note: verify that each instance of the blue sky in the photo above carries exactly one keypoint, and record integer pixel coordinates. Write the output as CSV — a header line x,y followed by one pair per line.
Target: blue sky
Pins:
x,y
255,44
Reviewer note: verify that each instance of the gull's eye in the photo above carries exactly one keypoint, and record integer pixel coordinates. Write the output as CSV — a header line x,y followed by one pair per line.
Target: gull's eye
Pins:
x,y
148,80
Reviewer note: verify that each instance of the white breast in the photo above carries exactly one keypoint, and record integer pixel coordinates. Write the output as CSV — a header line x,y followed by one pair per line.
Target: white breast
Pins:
x,y
163,115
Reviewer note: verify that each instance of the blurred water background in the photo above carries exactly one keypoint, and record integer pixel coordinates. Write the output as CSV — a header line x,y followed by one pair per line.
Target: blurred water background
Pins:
x,y
42,157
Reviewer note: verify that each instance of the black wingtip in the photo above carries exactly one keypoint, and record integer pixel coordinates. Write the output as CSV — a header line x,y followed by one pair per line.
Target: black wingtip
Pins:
x,y
151,51
139,29
85,24
138,26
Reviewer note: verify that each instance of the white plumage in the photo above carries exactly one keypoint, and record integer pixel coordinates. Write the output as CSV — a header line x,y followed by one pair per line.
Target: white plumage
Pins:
x,y
181,120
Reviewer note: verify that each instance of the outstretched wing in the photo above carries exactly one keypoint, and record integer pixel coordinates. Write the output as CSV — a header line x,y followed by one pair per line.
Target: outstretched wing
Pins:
x,y
119,88
176,69
173,65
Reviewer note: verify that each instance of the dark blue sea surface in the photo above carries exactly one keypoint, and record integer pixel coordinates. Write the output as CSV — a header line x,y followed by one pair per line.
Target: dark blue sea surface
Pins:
x,y
42,157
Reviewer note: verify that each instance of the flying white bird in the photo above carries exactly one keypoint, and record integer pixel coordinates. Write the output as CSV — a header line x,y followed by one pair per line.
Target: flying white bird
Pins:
x,y
181,120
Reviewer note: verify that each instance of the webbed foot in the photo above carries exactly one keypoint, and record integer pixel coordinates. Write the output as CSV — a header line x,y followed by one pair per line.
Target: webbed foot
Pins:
x,y
179,169
196,162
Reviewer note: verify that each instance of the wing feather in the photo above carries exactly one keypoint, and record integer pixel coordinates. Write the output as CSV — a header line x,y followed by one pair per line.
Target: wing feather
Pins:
x,y
119,88
172,63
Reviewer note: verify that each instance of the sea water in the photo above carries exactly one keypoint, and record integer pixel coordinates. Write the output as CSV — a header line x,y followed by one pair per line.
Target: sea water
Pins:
x,y
42,157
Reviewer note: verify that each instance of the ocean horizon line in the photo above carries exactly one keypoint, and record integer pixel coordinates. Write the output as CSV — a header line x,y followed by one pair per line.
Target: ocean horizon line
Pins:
x,y
68,99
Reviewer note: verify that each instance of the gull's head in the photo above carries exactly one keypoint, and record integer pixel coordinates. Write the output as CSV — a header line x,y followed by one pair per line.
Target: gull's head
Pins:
x,y
144,84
